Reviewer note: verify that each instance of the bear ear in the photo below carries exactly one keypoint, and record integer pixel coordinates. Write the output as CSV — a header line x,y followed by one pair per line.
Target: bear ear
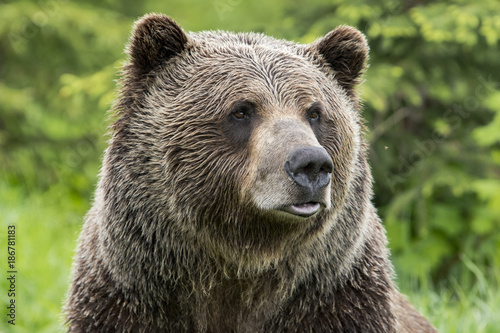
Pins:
x,y
156,38
345,50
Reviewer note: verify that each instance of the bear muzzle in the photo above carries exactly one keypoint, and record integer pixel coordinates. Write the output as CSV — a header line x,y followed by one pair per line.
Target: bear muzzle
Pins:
x,y
310,168
293,176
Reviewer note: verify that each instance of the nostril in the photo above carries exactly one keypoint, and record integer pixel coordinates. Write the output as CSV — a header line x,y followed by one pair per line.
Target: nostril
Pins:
x,y
327,167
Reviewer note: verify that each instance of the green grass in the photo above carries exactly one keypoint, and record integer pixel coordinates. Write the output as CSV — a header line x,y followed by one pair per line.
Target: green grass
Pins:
x,y
48,225
456,310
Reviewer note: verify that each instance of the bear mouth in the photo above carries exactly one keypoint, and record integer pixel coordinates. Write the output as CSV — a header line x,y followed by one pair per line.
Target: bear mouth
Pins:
x,y
304,209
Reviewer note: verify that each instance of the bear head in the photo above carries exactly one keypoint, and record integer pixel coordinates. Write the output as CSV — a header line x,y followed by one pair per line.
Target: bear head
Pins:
x,y
247,145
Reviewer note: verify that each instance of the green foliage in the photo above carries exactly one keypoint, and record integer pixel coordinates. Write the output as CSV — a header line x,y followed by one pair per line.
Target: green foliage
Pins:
x,y
431,102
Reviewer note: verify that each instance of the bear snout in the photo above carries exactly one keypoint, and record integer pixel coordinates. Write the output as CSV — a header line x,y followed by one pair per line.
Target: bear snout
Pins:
x,y
310,168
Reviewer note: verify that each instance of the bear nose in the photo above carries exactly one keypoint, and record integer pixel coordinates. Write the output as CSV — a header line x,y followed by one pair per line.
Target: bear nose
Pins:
x,y
310,167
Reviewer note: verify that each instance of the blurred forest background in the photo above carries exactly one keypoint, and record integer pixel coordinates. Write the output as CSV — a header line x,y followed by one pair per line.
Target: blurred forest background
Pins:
x,y
431,95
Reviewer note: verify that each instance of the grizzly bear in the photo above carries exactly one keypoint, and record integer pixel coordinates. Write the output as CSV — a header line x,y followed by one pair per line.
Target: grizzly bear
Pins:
x,y
235,193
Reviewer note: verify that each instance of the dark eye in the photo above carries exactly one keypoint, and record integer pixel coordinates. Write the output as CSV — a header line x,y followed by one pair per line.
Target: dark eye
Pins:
x,y
242,110
314,115
314,112
239,114
239,122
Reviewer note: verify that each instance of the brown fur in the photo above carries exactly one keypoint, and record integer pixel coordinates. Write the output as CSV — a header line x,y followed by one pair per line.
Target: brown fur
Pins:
x,y
186,233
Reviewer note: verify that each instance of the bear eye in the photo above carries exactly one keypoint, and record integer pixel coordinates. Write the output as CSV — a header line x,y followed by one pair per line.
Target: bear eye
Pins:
x,y
314,115
239,121
314,112
239,114
242,110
